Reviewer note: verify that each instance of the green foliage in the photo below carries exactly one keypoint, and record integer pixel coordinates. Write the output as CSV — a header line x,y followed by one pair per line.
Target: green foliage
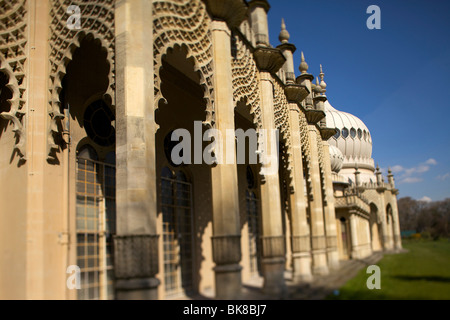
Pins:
x,y
422,273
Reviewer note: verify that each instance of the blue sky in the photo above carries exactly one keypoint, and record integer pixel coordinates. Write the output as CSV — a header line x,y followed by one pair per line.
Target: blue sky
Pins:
x,y
396,79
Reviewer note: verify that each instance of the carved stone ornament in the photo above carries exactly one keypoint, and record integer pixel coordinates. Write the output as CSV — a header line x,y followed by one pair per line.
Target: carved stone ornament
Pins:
x,y
269,59
233,12
296,93
314,116
327,133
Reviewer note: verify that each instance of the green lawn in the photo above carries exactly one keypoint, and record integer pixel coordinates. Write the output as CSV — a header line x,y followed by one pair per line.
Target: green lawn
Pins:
x,y
421,273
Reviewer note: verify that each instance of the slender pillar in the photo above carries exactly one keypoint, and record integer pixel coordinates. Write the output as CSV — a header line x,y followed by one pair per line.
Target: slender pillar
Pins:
x,y
136,243
300,235
397,235
316,204
226,239
226,226
354,235
35,257
329,211
272,231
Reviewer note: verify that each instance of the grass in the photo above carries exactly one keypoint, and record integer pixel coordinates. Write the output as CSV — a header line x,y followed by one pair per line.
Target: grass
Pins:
x,y
422,273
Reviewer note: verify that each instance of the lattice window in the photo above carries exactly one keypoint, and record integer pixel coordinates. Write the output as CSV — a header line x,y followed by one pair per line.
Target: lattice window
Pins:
x,y
95,224
176,194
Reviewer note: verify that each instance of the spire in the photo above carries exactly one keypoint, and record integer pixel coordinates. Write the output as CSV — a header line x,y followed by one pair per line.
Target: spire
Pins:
x,y
303,65
284,34
322,82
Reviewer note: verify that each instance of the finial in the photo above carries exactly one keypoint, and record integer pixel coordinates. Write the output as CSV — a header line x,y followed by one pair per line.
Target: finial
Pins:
x,y
389,171
322,82
378,168
303,65
284,34
317,87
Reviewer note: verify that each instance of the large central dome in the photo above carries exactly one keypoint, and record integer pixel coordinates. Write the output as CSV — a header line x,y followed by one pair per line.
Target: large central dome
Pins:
x,y
353,140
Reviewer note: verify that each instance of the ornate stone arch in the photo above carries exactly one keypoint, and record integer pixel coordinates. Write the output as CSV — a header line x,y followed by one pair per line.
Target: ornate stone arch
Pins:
x,y
13,42
97,21
184,22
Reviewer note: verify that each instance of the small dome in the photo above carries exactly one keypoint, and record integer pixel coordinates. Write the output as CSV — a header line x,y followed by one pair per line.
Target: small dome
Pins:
x,y
337,159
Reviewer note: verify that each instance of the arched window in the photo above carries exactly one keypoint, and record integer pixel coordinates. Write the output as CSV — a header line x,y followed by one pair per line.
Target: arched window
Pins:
x,y
252,204
338,134
176,203
95,223
344,133
359,134
353,133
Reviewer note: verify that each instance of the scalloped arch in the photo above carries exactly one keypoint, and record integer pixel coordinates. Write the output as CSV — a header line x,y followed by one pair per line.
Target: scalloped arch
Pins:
x,y
184,22
97,22
15,113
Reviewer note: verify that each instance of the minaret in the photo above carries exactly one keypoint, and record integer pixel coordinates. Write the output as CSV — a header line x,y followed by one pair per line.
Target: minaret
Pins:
x,y
379,176
306,79
391,178
323,85
288,50
258,19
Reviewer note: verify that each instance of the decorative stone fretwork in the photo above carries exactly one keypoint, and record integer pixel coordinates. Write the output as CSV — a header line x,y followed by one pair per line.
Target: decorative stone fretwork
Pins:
x,y
319,242
97,21
231,11
13,43
314,116
269,59
135,256
327,133
226,249
273,247
245,79
282,123
306,153
296,93
331,242
322,168
301,244
184,23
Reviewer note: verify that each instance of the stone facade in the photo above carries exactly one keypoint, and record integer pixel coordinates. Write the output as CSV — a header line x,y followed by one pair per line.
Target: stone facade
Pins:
x,y
87,114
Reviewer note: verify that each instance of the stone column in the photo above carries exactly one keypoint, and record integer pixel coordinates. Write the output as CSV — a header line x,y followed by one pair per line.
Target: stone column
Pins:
x,y
226,226
329,209
136,243
300,238
354,235
301,248
37,249
315,201
319,247
270,60
397,235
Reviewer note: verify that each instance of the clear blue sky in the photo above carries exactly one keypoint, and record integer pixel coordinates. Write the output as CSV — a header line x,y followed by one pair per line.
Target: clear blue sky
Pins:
x,y
396,80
